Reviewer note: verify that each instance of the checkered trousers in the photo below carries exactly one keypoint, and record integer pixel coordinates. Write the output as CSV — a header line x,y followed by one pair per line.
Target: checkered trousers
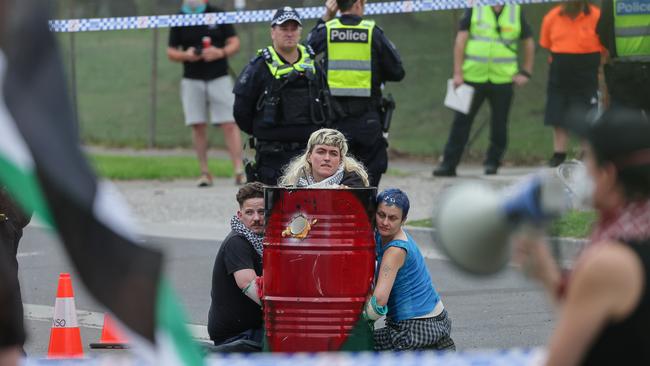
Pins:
x,y
412,334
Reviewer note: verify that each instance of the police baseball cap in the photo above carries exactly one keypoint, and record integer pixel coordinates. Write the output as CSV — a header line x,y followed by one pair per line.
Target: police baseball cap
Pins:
x,y
620,135
285,14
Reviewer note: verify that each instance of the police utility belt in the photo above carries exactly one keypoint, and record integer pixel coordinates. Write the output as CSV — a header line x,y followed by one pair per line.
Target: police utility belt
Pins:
x,y
277,147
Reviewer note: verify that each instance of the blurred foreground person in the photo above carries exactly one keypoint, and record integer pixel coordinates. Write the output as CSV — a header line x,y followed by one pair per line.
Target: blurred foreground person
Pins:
x,y
235,314
415,315
569,33
325,163
12,332
605,301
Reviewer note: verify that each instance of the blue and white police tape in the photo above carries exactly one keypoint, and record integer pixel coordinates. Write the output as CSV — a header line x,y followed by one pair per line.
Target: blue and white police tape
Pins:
x,y
254,16
506,357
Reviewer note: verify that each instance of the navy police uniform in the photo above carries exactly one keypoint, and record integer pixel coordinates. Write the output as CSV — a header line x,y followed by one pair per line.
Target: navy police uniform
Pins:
x,y
358,117
280,105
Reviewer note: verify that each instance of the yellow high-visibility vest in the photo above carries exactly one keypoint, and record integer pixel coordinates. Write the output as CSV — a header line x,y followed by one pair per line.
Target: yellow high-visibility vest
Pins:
x,y
491,50
349,58
278,68
632,30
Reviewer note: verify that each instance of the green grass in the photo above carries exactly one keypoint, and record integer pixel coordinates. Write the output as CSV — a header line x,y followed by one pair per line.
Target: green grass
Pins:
x,y
394,172
159,167
420,223
574,224
114,73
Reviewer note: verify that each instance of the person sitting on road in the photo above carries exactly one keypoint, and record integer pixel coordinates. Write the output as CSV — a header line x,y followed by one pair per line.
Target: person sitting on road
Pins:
x,y
415,315
235,312
325,163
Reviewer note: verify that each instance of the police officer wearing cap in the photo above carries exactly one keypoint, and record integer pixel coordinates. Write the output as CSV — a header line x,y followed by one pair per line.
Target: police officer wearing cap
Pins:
x,y
359,59
624,30
280,99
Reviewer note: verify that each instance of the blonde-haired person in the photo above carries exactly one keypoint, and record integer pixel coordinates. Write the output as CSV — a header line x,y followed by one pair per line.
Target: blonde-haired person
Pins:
x,y
325,163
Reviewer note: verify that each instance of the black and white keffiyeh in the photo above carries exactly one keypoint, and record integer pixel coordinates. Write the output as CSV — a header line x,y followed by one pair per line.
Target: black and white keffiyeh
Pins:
x,y
334,180
255,239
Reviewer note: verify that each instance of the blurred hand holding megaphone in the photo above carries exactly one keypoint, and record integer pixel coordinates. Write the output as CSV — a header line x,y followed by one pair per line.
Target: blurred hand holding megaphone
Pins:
x,y
475,222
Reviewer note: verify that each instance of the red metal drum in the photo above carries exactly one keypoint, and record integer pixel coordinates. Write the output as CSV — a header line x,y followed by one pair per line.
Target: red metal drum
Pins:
x,y
319,263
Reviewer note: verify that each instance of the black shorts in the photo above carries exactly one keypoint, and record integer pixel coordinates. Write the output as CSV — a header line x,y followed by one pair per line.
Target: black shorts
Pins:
x,y
559,105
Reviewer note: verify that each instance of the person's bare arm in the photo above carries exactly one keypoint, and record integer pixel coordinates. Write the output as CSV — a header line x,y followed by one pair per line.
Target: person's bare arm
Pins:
x,y
606,286
459,56
178,55
391,262
527,66
212,53
243,277
232,46
247,281
532,254
331,8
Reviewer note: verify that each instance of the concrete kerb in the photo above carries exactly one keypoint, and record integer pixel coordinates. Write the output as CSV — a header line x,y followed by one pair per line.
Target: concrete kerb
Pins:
x,y
565,248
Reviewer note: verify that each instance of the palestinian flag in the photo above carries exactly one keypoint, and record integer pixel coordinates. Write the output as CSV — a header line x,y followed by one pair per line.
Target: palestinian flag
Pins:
x,y
43,167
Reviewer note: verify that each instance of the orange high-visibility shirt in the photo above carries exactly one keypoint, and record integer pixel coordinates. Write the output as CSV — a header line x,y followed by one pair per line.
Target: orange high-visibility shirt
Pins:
x,y
561,34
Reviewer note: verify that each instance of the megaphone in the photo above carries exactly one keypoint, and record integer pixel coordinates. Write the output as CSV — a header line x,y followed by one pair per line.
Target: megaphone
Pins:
x,y
475,222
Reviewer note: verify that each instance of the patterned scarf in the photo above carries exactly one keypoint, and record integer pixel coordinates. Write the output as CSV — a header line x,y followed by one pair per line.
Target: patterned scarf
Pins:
x,y
630,223
334,180
255,239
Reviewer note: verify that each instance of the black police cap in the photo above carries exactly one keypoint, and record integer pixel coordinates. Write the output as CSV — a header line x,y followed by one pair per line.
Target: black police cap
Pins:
x,y
285,14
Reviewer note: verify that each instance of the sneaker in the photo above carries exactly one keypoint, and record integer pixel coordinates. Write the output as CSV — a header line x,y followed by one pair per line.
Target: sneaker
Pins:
x,y
556,159
444,171
205,180
491,169
240,179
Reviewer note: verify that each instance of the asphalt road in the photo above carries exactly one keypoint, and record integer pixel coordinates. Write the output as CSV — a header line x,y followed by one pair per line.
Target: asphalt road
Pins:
x,y
501,311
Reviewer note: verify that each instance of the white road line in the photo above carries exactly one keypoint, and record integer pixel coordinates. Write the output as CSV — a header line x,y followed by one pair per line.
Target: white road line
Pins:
x,y
95,320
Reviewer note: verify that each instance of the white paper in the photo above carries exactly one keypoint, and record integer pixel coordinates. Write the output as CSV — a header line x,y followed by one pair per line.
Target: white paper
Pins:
x,y
459,99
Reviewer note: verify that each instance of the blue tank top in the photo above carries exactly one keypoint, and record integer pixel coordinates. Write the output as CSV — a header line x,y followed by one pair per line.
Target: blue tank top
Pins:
x,y
413,293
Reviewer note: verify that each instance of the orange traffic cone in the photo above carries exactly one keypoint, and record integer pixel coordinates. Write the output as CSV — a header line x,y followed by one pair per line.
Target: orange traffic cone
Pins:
x,y
111,337
65,338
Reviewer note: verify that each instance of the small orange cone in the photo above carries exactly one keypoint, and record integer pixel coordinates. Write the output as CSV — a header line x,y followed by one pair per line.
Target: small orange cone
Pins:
x,y
111,337
65,338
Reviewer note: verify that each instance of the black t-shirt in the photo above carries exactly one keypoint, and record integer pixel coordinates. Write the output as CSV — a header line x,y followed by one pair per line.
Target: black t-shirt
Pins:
x,y
186,37
232,312
627,341
466,21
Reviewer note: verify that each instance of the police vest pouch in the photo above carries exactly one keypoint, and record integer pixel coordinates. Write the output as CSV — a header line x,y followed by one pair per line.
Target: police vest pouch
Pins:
x,y
296,106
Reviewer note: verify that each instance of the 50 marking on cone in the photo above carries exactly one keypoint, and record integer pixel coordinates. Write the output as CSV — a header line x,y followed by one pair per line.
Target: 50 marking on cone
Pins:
x,y
65,336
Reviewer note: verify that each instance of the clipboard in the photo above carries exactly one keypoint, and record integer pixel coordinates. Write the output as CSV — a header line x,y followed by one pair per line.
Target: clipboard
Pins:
x,y
459,99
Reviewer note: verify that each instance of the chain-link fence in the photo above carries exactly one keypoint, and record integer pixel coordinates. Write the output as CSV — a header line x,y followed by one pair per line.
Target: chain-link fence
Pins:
x,y
126,91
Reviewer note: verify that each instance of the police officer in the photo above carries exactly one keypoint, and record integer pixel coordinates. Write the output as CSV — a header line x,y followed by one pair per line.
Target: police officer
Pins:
x,y
485,57
280,99
359,59
624,29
